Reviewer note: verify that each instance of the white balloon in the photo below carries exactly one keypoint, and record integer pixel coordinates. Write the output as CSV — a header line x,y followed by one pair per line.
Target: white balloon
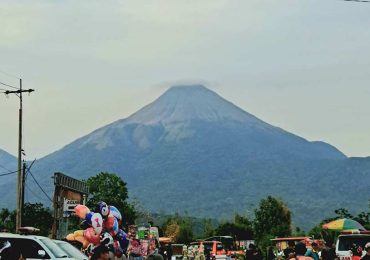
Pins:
x,y
97,223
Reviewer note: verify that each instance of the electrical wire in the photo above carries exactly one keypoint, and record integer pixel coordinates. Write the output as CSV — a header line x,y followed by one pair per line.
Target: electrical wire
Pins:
x,y
33,193
8,173
10,86
40,186
28,169
8,74
5,168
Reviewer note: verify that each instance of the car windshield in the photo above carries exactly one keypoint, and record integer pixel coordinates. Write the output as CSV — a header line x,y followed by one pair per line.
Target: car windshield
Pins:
x,y
54,248
220,247
207,247
71,251
346,242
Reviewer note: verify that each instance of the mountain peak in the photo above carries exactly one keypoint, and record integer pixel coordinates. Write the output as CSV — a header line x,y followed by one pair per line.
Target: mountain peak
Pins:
x,y
181,89
182,103
190,92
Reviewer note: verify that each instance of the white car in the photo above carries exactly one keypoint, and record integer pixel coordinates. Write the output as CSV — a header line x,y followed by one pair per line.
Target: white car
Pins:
x,y
71,251
347,239
14,246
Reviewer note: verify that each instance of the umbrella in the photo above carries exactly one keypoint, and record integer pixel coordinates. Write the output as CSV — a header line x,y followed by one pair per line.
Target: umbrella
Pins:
x,y
343,224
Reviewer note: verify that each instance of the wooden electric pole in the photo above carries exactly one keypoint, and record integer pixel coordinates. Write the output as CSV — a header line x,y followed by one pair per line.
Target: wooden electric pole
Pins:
x,y
20,181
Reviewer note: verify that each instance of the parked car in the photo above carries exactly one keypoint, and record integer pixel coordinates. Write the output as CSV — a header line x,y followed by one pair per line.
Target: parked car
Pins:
x,y
71,250
13,246
345,241
177,251
212,249
229,245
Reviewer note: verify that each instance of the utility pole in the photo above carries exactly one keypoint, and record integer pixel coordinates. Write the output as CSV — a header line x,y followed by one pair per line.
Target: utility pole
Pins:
x,y
23,180
20,182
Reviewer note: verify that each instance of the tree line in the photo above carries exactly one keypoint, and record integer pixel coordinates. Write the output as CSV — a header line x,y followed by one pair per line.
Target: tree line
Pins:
x,y
272,218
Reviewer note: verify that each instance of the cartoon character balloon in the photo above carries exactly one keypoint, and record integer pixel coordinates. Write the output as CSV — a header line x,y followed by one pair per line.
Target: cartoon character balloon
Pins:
x,y
100,228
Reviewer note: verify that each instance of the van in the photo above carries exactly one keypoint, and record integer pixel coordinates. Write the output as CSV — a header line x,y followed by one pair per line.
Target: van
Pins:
x,y
346,239
12,246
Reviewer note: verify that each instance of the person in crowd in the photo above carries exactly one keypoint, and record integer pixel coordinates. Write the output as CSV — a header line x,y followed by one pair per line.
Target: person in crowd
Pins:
x,y
289,251
367,250
253,253
356,252
300,251
169,251
100,253
328,252
270,254
314,251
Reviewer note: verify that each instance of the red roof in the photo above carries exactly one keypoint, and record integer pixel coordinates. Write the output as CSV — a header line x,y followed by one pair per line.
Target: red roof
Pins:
x,y
290,238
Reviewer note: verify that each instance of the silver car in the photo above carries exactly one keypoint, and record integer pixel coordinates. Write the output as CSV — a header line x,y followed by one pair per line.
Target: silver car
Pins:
x,y
71,251
14,246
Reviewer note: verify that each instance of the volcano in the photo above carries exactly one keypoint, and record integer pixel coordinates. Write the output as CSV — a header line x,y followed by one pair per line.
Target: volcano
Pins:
x,y
193,151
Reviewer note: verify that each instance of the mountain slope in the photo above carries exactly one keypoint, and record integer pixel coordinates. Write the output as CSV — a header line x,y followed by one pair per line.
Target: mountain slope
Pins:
x,y
191,150
8,163
183,111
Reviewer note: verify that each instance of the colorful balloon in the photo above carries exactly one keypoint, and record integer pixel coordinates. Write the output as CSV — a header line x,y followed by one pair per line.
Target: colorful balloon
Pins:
x,y
81,211
97,223
78,236
115,212
91,236
103,209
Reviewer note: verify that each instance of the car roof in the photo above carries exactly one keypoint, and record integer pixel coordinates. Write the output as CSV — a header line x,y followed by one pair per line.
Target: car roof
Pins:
x,y
11,235
61,241
205,242
354,235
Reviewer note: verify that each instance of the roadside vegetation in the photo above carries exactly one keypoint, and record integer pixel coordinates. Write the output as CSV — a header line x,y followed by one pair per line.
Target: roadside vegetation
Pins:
x,y
272,218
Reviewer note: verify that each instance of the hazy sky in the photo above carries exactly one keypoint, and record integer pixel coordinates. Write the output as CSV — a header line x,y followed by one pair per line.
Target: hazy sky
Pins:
x,y
303,65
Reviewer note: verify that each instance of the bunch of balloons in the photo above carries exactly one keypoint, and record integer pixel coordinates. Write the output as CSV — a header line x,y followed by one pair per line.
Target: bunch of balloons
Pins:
x,y
100,228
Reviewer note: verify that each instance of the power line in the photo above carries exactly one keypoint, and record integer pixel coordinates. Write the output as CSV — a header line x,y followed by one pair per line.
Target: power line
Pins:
x,y
8,74
10,86
29,168
8,173
33,193
40,186
5,168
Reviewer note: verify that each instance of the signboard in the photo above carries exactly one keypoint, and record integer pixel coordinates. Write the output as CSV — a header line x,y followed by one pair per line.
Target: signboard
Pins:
x,y
69,205
68,193
70,183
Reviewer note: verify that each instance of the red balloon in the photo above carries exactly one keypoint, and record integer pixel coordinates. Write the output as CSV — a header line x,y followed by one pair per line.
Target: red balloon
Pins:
x,y
109,222
90,235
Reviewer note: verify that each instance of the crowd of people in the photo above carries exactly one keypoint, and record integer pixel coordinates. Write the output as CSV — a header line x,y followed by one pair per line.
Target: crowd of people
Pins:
x,y
299,251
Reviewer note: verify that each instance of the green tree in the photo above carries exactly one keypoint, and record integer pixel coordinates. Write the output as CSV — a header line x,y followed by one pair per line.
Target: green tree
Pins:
x,y
272,219
111,189
7,220
181,229
241,228
245,227
208,229
342,213
36,215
